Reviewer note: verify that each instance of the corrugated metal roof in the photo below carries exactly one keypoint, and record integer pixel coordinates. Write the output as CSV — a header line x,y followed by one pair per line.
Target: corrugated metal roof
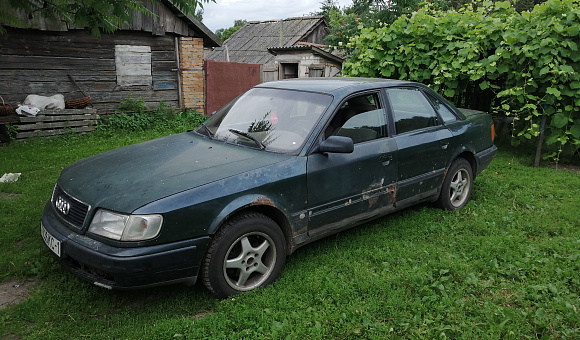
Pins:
x,y
250,44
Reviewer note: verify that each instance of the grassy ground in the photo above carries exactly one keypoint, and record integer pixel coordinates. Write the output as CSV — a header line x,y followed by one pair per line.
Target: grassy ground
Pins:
x,y
506,266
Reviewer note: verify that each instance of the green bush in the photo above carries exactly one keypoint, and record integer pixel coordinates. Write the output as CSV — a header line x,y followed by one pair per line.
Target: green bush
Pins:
x,y
518,64
134,115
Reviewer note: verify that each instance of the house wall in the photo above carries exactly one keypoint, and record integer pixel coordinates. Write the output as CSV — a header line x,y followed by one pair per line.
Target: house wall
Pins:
x,y
40,62
306,61
317,35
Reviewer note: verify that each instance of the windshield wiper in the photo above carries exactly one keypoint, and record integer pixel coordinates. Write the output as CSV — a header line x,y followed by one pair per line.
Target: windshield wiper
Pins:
x,y
209,133
247,135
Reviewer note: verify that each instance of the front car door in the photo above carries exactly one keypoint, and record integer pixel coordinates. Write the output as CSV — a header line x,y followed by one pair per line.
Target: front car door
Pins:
x,y
348,188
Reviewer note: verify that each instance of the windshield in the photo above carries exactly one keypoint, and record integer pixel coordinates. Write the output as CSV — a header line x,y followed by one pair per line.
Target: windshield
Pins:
x,y
271,119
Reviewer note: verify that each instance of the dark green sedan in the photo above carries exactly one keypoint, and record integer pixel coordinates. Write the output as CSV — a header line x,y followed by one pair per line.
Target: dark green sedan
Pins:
x,y
284,164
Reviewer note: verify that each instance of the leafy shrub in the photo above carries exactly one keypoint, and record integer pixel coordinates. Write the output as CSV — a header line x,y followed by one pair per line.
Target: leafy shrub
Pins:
x,y
132,105
492,58
11,131
133,115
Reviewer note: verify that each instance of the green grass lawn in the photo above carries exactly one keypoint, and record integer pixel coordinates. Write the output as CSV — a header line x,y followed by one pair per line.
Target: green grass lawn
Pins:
x,y
506,266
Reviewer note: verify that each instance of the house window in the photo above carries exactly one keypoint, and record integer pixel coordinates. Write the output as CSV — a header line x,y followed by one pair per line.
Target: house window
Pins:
x,y
133,65
289,71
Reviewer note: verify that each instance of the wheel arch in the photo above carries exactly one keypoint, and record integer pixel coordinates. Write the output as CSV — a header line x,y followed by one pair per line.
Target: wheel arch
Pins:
x,y
468,155
470,158
260,205
277,216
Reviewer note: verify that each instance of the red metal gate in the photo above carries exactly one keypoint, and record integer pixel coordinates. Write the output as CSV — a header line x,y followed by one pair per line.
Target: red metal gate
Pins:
x,y
227,80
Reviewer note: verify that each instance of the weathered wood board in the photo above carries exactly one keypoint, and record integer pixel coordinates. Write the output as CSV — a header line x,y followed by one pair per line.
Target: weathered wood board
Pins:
x,y
57,122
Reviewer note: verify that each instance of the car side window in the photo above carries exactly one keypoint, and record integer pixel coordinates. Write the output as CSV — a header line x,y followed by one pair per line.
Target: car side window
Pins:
x,y
411,110
360,118
444,112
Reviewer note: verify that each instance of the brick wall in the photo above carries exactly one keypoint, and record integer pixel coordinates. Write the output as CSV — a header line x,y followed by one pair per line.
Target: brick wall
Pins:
x,y
192,78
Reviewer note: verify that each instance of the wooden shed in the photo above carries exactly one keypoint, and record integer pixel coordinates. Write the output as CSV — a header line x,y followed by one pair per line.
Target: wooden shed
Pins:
x,y
158,58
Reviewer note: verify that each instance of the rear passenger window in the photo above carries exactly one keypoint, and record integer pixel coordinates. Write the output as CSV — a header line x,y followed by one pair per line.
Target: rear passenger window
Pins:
x,y
411,110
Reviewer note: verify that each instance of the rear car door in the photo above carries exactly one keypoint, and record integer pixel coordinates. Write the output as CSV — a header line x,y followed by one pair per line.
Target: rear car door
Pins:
x,y
422,140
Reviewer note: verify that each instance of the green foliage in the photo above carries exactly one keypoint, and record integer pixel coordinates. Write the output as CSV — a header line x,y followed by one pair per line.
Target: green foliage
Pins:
x,y
344,23
12,130
326,6
132,105
199,14
97,15
519,64
225,33
134,115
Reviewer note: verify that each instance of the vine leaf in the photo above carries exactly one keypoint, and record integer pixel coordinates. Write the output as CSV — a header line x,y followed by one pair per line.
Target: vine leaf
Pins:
x,y
559,120
575,131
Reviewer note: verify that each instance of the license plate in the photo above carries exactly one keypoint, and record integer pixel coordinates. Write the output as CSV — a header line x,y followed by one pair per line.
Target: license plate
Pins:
x,y
51,242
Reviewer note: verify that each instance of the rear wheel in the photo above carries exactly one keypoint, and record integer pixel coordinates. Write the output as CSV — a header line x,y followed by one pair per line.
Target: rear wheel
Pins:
x,y
246,253
457,186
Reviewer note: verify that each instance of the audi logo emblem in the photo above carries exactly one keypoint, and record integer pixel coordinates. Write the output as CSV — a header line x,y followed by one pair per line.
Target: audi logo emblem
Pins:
x,y
62,205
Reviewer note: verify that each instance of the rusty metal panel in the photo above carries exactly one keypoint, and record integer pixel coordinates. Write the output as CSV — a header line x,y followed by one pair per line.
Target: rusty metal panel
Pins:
x,y
227,80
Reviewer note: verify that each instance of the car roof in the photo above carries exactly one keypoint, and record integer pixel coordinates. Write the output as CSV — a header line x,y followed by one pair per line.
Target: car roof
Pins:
x,y
335,85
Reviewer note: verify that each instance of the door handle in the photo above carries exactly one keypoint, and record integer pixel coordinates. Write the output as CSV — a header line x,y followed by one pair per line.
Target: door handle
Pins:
x,y
444,144
386,159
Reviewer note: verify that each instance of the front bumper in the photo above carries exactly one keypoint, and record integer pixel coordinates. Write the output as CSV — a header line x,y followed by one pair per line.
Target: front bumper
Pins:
x,y
122,268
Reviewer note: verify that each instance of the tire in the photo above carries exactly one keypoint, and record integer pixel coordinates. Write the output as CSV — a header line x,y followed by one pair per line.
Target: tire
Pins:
x,y
248,252
457,186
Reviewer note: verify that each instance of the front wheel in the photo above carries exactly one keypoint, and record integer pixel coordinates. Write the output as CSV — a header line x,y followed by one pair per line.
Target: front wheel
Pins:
x,y
457,186
246,253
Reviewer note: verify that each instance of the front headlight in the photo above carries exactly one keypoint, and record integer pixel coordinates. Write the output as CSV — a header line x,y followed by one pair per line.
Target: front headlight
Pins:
x,y
123,227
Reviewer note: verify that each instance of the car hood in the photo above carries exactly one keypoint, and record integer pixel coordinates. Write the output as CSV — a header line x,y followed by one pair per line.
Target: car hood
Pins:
x,y
130,177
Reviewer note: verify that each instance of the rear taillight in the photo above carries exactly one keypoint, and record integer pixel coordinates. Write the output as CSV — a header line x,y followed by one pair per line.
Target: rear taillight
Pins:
x,y
492,132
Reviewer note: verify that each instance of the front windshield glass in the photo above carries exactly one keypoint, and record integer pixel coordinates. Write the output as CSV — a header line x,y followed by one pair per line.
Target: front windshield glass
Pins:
x,y
271,119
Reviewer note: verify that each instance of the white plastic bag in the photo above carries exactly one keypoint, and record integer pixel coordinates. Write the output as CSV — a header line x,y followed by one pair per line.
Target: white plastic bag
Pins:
x,y
27,110
10,177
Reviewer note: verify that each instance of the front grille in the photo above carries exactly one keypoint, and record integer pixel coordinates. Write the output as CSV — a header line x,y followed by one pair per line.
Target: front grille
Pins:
x,y
69,208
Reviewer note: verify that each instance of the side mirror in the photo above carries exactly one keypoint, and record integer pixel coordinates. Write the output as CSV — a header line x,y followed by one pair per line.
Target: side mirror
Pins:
x,y
336,144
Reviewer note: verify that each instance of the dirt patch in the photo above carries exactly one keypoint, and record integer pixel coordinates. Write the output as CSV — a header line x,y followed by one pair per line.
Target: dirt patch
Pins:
x,y
13,292
7,196
569,167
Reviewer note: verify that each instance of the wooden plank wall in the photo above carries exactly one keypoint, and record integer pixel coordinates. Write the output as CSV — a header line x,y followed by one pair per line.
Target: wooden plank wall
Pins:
x,y
39,62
